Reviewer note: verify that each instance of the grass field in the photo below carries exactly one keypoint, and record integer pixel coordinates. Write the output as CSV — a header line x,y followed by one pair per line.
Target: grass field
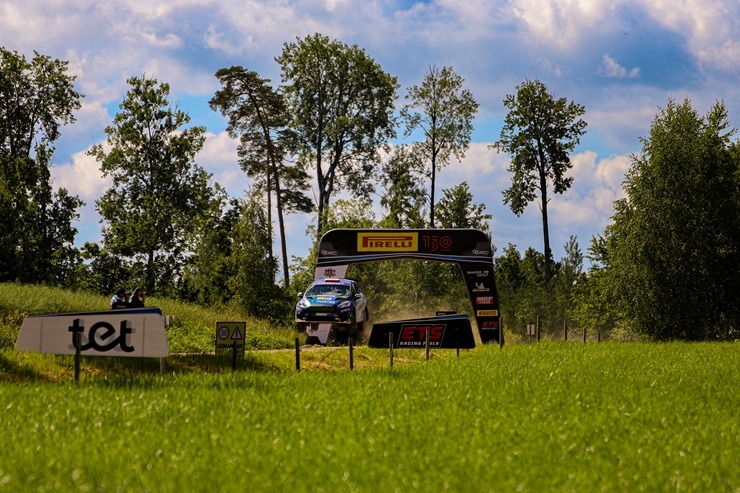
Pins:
x,y
554,416
549,417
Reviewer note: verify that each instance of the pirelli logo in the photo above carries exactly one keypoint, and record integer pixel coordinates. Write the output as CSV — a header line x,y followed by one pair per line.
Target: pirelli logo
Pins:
x,y
487,313
387,242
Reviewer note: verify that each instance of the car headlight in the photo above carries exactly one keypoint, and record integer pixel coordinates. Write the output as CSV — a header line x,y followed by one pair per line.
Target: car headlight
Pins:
x,y
344,305
303,303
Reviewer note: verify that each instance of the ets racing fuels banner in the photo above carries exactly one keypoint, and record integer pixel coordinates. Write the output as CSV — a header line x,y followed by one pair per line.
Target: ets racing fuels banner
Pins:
x,y
130,332
445,332
469,248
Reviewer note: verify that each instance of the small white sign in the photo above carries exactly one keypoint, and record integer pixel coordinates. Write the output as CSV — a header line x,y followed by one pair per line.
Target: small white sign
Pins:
x,y
132,332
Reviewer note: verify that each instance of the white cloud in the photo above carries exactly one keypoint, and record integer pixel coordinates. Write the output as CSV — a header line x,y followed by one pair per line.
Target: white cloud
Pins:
x,y
621,115
711,28
166,41
596,185
181,78
218,40
552,68
219,157
611,68
219,151
81,177
610,173
480,165
560,22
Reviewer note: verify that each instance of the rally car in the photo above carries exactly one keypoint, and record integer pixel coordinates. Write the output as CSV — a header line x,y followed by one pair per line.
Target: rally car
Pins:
x,y
332,301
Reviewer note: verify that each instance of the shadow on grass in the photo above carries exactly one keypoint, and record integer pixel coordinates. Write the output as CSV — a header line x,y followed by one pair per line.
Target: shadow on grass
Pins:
x,y
95,368
18,371
19,367
208,363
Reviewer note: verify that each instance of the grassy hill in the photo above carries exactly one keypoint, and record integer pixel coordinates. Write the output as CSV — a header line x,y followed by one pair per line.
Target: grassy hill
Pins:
x,y
192,327
192,330
191,339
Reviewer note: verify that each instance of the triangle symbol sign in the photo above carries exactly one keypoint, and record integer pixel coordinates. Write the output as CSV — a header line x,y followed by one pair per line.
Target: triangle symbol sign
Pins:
x,y
236,336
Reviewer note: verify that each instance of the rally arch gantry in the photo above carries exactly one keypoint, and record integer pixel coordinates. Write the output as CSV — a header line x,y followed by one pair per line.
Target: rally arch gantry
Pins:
x,y
469,248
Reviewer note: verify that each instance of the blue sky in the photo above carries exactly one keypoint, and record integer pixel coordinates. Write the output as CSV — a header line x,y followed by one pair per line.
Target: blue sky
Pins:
x,y
621,59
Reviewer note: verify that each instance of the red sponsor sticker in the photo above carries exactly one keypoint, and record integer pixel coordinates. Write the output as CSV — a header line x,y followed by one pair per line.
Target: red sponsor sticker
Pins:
x,y
415,334
437,242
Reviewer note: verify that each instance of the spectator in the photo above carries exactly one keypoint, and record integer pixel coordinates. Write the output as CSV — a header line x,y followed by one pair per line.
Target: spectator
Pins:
x,y
119,300
137,299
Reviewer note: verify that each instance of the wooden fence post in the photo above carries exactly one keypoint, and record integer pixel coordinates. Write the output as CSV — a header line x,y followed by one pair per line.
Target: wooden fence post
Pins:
x,y
78,355
390,348
297,355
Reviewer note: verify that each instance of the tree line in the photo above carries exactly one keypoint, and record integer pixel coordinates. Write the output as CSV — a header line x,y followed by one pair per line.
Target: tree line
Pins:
x,y
666,267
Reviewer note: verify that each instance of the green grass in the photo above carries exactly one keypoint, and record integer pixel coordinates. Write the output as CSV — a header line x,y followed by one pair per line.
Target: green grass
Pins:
x,y
549,417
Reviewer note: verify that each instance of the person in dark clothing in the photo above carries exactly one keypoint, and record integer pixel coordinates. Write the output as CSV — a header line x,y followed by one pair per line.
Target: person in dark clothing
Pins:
x,y
137,299
119,300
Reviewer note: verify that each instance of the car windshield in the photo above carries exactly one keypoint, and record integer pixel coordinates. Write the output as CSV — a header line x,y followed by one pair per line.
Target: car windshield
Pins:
x,y
328,290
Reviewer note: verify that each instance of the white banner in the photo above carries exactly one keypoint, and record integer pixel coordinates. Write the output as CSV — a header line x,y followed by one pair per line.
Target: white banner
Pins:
x,y
133,332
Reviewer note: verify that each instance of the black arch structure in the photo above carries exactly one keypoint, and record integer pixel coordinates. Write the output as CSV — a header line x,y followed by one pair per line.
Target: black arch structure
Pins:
x,y
469,248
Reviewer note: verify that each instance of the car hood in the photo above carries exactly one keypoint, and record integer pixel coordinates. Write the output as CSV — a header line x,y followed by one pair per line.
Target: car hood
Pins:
x,y
325,299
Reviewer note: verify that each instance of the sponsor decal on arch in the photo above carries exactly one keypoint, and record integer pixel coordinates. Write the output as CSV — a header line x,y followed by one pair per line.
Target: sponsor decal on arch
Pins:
x,y
387,242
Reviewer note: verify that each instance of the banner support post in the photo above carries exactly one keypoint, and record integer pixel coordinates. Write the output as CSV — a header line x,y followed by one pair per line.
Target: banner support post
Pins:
x,y
297,355
78,351
390,347
426,344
